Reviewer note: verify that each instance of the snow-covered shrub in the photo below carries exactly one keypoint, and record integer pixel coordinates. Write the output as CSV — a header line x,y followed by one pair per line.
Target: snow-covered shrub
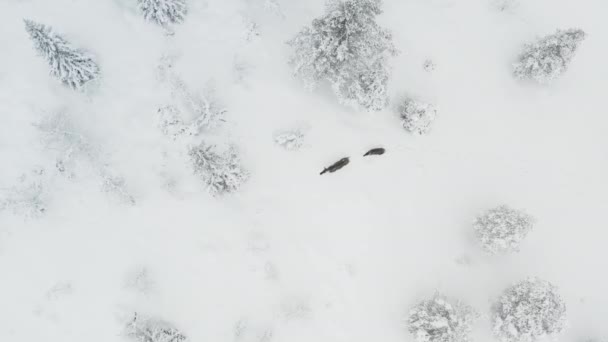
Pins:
x,y
527,311
163,12
60,135
416,116
221,171
27,198
429,65
441,319
143,329
170,122
347,48
549,57
289,140
502,229
190,113
72,66
116,185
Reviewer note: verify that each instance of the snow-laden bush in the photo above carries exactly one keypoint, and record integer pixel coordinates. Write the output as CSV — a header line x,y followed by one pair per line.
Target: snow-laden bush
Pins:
x,y
347,48
290,140
72,66
190,113
502,229
441,319
416,116
163,12
549,57
221,171
144,329
527,311
27,198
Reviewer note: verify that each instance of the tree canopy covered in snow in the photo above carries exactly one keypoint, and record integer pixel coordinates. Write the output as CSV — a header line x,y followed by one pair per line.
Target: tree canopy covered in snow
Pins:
x,y
548,58
349,49
502,229
145,329
164,12
220,170
527,311
72,66
440,319
416,117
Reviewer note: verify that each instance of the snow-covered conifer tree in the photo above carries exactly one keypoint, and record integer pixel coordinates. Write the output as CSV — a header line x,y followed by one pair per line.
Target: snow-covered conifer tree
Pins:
x,y
528,311
164,12
221,171
549,57
144,329
349,49
440,319
72,66
502,229
416,116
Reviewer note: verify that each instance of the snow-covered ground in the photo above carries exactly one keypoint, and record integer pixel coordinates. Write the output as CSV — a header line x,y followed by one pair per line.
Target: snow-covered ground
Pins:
x,y
294,256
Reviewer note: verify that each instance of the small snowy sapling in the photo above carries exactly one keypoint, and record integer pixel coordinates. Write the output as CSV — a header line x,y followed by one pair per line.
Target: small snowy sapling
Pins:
x,y
163,12
221,171
502,229
347,48
549,57
416,116
528,311
72,66
143,329
441,319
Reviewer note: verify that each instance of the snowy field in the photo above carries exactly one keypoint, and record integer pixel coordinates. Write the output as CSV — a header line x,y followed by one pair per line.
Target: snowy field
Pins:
x,y
293,256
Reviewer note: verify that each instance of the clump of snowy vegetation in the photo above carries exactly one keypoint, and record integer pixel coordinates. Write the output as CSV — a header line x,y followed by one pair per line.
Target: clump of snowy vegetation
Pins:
x,y
290,140
73,149
502,229
549,57
29,197
144,329
72,66
429,65
441,319
220,170
528,311
347,48
163,12
416,116
190,112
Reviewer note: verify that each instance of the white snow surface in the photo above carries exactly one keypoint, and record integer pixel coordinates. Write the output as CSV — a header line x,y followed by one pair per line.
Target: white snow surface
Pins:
x,y
294,256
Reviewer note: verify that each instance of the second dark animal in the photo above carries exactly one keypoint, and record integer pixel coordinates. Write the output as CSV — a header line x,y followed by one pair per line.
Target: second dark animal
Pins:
x,y
375,151
336,166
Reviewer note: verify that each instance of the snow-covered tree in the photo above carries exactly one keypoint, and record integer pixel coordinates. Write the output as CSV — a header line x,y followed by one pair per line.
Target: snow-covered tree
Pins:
x,y
220,170
502,229
190,112
144,329
347,48
164,12
416,116
440,319
527,311
72,66
549,57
